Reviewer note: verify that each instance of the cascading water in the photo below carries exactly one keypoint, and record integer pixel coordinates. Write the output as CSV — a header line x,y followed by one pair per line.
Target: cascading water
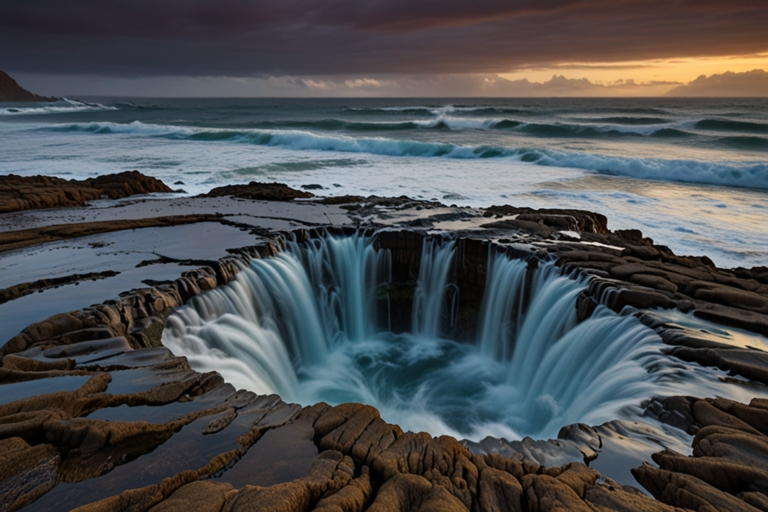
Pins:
x,y
303,325
281,315
435,264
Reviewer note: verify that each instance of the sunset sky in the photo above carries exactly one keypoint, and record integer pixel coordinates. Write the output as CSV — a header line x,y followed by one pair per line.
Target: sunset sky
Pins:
x,y
387,48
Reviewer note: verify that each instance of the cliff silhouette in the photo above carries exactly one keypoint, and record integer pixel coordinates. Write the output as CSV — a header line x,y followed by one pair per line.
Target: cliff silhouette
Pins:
x,y
10,90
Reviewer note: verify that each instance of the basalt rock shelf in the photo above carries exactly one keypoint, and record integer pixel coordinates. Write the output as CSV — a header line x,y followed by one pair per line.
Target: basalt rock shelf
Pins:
x,y
33,192
121,406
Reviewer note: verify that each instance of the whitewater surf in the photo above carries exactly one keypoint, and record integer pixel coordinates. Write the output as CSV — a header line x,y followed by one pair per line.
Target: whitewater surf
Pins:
x,y
690,173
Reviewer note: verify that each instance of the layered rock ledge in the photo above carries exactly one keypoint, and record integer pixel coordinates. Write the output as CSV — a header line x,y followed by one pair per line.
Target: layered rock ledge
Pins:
x,y
97,415
260,191
35,192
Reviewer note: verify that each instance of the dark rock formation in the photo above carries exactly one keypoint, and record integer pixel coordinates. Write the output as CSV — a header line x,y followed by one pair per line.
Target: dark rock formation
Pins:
x,y
12,91
128,183
35,192
260,191
93,447
729,466
346,200
142,431
573,220
70,452
12,240
20,290
648,276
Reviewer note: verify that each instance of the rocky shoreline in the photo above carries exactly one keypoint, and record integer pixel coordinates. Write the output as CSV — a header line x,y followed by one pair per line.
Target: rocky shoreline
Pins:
x,y
37,192
98,414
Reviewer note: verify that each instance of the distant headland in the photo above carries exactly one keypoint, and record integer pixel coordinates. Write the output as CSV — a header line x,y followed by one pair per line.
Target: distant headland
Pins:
x,y
10,90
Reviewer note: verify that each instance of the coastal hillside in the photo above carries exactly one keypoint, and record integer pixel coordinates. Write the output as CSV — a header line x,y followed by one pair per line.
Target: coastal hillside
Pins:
x,y
10,90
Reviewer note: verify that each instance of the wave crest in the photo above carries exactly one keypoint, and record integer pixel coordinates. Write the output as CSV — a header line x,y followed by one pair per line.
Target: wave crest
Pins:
x,y
731,126
546,130
63,106
735,174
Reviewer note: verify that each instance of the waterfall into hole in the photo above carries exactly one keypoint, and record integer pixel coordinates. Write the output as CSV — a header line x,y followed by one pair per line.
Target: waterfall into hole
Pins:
x,y
304,324
436,259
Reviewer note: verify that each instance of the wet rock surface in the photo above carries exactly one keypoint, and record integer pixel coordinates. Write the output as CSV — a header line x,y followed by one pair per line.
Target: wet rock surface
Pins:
x,y
140,430
261,191
125,184
14,240
573,220
20,290
37,192
727,468
214,458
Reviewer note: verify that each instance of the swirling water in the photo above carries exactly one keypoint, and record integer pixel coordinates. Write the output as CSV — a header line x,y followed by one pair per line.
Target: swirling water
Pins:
x,y
303,324
691,173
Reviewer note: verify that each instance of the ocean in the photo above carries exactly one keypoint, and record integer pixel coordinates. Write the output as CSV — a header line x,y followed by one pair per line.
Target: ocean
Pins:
x,y
690,173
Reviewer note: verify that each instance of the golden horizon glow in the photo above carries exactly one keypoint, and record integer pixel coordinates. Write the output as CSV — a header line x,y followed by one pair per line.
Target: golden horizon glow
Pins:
x,y
656,75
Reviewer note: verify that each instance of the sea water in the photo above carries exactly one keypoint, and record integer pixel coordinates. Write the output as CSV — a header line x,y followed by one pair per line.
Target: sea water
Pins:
x,y
690,173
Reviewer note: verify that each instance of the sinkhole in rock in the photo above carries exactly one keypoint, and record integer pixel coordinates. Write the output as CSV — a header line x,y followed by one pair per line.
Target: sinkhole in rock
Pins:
x,y
439,339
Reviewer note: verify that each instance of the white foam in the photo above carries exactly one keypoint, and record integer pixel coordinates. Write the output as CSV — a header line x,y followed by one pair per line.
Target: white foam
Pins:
x,y
741,174
69,107
734,174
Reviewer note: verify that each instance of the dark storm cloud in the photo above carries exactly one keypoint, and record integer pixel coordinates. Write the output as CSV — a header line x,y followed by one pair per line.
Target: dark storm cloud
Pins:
x,y
334,37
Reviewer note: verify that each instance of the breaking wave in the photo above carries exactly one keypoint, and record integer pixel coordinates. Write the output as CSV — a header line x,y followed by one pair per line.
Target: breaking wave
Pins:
x,y
536,110
63,106
631,121
731,126
735,174
439,123
548,130
438,110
